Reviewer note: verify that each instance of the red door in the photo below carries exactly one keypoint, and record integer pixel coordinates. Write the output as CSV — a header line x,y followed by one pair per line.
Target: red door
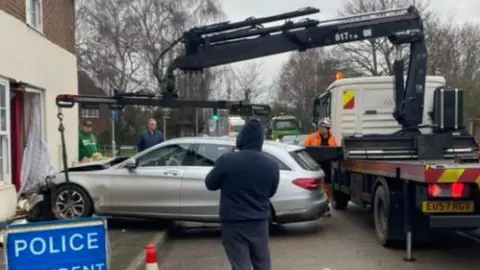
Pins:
x,y
16,116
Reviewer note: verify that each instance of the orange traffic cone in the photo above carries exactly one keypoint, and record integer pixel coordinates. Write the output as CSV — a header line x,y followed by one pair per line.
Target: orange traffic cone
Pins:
x,y
151,258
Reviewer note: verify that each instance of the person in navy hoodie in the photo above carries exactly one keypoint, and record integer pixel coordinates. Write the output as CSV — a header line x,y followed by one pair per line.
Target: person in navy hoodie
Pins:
x,y
152,136
247,179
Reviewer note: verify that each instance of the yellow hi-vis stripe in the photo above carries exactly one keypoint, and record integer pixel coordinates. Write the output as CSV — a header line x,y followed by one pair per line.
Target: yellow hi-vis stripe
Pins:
x,y
450,175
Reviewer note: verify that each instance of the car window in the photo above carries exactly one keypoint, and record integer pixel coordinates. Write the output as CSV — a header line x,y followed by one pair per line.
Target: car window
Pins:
x,y
285,124
305,160
170,155
207,154
282,166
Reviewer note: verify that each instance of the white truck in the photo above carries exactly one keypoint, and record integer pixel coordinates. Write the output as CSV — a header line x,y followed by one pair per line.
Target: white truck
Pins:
x,y
364,105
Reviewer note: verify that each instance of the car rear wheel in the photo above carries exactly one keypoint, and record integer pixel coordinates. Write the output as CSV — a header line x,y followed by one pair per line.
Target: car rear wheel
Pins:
x,y
71,202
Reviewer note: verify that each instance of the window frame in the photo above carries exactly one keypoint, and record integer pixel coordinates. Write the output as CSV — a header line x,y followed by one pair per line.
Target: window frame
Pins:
x,y
187,148
324,105
90,113
6,137
38,26
196,148
281,165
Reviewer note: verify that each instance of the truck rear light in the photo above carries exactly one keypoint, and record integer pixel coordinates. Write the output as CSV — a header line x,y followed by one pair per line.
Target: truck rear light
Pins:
x,y
311,184
455,190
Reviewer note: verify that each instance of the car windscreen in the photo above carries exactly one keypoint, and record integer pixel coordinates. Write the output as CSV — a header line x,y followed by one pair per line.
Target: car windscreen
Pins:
x,y
288,139
305,160
286,124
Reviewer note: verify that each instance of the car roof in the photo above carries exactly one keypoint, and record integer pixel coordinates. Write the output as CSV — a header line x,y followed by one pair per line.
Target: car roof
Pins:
x,y
232,141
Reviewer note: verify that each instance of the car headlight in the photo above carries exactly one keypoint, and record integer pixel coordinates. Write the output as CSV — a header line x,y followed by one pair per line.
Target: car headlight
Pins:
x,y
277,140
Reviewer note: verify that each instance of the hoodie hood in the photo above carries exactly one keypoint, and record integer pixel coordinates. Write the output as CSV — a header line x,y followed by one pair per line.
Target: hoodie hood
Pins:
x,y
251,136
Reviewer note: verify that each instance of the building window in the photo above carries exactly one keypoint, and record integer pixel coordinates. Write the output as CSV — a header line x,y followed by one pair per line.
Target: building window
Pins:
x,y
35,14
90,113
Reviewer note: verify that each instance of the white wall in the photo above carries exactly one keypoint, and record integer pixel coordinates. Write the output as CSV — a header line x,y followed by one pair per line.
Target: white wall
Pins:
x,y
27,56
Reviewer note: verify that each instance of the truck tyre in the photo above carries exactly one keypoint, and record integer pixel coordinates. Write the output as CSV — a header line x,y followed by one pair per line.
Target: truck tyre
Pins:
x,y
340,200
381,205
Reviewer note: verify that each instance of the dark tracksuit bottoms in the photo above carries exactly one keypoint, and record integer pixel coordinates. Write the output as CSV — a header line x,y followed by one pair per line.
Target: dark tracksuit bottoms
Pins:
x,y
247,180
246,245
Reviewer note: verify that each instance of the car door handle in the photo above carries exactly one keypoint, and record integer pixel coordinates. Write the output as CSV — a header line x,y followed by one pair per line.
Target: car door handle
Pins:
x,y
174,173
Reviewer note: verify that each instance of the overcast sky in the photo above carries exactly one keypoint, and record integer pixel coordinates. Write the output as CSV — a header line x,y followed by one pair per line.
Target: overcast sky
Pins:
x,y
236,10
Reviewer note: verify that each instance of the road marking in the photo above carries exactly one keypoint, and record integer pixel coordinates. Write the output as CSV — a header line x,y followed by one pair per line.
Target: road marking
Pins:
x,y
157,240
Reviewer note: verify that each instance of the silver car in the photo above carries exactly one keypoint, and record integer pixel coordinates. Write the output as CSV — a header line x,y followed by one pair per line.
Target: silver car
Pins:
x,y
167,182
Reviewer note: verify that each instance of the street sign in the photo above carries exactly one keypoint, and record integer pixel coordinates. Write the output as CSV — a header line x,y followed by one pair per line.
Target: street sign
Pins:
x,y
114,116
58,245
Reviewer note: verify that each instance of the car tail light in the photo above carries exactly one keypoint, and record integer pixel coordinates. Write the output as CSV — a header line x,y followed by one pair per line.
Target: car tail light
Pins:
x,y
455,190
308,183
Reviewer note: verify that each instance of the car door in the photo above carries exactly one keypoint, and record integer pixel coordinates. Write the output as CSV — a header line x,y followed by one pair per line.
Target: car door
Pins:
x,y
197,201
153,188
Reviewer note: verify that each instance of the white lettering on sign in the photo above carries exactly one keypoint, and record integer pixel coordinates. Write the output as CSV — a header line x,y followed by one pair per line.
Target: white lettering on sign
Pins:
x,y
97,266
39,246
345,36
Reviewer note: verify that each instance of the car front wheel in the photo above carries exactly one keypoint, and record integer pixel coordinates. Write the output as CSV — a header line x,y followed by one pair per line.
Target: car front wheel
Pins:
x,y
71,202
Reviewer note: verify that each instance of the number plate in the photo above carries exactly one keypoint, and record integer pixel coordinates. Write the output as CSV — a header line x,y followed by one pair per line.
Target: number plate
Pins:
x,y
448,207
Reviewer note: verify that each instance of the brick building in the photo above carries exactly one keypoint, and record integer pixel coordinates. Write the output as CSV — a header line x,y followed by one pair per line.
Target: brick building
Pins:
x,y
37,62
100,117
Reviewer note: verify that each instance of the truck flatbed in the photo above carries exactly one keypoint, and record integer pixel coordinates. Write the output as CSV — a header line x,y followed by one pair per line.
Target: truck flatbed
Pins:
x,y
433,171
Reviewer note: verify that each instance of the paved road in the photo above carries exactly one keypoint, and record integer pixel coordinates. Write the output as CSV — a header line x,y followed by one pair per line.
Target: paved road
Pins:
x,y
128,239
343,242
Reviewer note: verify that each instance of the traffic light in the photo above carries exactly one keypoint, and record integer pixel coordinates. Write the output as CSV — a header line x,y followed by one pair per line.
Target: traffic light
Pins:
x,y
215,115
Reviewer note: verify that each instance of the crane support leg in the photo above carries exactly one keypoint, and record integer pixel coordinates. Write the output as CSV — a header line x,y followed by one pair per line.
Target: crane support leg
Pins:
x,y
407,218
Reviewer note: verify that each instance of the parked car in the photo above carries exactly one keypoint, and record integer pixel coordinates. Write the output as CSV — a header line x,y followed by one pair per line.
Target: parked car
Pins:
x,y
167,182
294,139
288,139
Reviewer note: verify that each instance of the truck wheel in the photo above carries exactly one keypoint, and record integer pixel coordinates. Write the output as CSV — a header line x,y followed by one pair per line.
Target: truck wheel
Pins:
x,y
340,200
381,204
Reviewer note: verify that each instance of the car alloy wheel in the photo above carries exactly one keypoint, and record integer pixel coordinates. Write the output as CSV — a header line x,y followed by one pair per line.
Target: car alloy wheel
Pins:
x,y
70,204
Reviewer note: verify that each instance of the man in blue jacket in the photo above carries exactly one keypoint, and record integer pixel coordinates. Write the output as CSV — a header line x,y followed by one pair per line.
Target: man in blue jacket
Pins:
x,y
247,180
152,136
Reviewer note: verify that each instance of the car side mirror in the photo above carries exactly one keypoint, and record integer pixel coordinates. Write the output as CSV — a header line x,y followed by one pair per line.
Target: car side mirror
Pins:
x,y
131,164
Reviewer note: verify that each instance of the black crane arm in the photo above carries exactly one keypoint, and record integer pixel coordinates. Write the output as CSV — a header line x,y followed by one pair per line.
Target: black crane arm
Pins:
x,y
226,43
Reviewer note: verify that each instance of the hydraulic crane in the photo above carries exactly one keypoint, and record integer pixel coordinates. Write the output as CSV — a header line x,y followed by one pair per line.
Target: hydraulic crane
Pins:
x,y
225,43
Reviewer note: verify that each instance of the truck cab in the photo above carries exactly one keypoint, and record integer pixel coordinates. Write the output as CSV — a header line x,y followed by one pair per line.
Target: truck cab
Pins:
x,y
365,105
283,125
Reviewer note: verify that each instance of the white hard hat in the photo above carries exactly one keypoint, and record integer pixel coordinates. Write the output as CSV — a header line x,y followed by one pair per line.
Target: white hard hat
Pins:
x,y
325,122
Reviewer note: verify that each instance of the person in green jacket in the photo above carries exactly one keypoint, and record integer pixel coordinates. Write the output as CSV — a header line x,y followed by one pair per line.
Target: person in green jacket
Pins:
x,y
87,142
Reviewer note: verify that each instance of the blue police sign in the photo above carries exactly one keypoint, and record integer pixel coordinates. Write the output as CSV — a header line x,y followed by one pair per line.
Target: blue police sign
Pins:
x,y
78,244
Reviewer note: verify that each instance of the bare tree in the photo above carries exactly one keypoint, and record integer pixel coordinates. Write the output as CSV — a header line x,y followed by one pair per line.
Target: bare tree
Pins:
x,y
120,41
248,81
375,57
454,52
107,44
304,76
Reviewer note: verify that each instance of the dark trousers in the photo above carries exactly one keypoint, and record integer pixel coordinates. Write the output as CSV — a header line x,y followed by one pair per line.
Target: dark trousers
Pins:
x,y
246,245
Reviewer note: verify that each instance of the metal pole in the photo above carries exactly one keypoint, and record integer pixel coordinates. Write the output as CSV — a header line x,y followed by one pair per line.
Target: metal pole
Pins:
x,y
196,121
407,218
114,144
164,127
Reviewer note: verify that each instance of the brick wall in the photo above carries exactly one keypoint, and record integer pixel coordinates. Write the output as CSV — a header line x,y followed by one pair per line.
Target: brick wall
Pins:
x,y
58,19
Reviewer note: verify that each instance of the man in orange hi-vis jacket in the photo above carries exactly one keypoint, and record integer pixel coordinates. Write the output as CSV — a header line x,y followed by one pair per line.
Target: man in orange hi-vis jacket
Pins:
x,y
323,137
